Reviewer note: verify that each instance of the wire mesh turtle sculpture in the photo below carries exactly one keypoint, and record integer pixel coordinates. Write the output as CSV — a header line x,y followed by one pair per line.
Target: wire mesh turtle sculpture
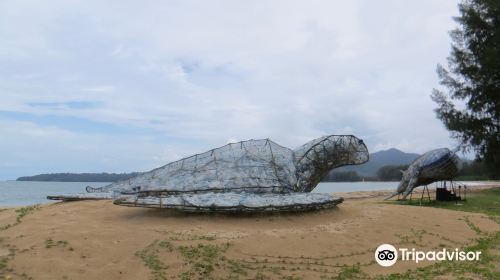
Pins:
x,y
433,166
248,176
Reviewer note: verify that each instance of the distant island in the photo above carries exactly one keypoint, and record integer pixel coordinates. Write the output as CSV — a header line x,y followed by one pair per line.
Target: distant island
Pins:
x,y
79,177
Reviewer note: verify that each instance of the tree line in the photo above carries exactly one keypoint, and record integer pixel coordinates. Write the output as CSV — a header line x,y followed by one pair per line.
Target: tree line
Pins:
x,y
472,170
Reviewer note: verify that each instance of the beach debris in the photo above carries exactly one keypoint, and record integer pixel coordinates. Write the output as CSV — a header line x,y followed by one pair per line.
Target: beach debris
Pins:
x,y
253,175
433,166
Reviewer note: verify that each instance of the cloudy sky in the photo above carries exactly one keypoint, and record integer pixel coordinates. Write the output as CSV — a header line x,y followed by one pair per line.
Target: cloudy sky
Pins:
x,y
131,85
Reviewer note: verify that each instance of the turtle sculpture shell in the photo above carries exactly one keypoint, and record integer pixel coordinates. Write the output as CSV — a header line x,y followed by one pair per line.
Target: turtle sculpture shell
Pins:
x,y
253,175
436,165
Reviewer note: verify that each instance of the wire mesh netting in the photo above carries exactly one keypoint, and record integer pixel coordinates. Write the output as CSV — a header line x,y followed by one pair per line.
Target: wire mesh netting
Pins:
x,y
248,168
235,202
436,165
254,165
315,159
251,166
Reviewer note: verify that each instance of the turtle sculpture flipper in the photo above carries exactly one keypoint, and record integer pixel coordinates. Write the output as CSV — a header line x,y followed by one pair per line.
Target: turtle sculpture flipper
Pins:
x,y
253,174
436,165
84,196
103,193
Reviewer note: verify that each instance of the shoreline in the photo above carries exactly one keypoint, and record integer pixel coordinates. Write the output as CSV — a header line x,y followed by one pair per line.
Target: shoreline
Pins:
x,y
476,185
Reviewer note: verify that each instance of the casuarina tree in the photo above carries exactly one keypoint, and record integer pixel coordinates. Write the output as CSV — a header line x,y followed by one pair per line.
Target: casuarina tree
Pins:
x,y
470,108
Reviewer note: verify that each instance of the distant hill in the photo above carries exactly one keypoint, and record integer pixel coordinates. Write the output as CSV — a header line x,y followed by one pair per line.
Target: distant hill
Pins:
x,y
379,159
79,177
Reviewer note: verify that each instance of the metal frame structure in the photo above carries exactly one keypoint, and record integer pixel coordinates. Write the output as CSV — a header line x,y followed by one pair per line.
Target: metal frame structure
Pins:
x,y
298,205
456,191
433,166
260,170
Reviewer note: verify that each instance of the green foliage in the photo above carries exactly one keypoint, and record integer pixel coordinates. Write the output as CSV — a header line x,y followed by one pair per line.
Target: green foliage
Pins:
x,y
473,170
414,237
49,243
203,259
200,261
21,212
3,263
391,172
237,267
485,268
486,201
351,272
150,258
473,77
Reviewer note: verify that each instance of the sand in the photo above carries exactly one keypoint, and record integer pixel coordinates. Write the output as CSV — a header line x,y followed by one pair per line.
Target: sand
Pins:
x,y
99,240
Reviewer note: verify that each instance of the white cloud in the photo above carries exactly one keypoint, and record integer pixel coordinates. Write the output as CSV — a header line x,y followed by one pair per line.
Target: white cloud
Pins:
x,y
209,71
52,149
102,88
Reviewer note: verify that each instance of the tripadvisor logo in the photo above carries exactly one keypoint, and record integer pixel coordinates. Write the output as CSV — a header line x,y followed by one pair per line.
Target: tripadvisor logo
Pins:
x,y
387,255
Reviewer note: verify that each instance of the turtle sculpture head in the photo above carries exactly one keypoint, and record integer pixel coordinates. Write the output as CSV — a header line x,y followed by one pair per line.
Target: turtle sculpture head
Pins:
x,y
316,158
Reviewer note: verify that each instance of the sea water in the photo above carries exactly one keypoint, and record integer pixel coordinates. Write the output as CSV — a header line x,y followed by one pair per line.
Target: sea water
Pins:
x,y
21,193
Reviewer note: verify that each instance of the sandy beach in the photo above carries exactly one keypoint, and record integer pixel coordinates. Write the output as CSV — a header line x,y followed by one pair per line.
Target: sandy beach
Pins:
x,y
99,240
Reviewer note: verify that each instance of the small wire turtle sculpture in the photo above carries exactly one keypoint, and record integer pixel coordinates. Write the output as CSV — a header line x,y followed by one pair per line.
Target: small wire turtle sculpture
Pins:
x,y
248,176
433,166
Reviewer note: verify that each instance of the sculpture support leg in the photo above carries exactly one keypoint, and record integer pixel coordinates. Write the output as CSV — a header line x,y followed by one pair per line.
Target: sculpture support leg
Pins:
x,y
409,188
